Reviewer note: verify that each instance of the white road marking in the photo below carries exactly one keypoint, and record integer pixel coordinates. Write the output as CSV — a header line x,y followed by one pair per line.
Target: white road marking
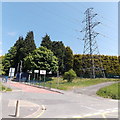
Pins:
x,y
114,100
12,103
88,107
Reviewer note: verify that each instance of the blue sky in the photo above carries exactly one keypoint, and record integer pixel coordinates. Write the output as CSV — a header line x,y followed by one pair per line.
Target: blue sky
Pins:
x,y
62,21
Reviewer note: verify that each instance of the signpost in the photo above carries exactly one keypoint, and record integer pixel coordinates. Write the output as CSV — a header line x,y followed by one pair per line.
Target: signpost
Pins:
x,y
43,72
50,72
58,79
36,72
30,72
11,72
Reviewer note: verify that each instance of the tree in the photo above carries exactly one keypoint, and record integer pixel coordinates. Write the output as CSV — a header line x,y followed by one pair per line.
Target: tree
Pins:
x,y
1,66
43,59
77,64
46,42
110,64
9,60
58,49
19,47
68,59
70,75
29,44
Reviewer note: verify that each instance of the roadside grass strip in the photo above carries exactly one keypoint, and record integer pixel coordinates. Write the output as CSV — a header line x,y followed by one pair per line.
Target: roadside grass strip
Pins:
x,y
110,91
4,89
61,84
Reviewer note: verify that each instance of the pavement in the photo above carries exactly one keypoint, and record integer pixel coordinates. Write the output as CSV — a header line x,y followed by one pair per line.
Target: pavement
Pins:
x,y
41,103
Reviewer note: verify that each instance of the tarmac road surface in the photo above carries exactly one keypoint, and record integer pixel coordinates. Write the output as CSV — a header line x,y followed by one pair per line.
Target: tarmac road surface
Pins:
x,y
67,105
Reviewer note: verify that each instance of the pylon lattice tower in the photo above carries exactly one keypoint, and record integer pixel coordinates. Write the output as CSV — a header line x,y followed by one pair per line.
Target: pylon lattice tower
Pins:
x,y
92,64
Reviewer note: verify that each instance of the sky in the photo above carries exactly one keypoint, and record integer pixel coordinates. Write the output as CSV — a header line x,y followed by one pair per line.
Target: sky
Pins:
x,y
62,21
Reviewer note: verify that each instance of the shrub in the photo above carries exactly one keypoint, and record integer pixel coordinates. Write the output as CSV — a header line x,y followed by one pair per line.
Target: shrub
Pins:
x,y
70,75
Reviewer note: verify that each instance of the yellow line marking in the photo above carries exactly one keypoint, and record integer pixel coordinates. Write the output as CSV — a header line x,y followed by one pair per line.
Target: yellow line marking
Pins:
x,y
29,116
103,115
99,113
41,112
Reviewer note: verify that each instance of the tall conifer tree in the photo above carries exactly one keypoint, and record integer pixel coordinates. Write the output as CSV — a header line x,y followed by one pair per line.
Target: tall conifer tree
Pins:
x,y
68,59
58,49
46,42
29,44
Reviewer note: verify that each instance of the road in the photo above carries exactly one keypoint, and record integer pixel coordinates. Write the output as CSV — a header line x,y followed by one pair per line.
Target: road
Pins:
x,y
67,105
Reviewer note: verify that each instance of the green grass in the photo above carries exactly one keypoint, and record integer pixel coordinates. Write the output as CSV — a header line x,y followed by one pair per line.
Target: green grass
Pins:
x,y
110,91
3,88
77,82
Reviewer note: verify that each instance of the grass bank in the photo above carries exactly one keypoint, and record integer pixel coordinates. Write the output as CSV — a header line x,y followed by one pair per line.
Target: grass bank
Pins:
x,y
61,84
3,88
110,91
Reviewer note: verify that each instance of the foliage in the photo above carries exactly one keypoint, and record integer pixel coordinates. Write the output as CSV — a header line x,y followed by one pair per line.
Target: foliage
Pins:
x,y
77,64
58,49
9,60
70,75
1,66
68,59
18,52
110,91
41,58
19,47
46,42
29,44
110,64
23,48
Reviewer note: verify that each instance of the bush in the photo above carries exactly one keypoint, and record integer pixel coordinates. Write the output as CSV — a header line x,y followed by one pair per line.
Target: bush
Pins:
x,y
70,75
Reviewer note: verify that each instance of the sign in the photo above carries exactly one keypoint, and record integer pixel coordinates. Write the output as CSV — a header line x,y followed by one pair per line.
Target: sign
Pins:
x,y
36,71
11,72
50,72
43,72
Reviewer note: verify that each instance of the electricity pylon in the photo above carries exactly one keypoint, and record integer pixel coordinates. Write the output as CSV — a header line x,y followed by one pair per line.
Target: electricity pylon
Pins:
x,y
91,53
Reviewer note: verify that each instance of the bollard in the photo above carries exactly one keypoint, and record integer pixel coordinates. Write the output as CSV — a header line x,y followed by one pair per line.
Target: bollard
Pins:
x,y
17,111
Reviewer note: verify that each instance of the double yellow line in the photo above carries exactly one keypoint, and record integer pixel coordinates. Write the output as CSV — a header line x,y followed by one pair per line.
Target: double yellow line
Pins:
x,y
38,114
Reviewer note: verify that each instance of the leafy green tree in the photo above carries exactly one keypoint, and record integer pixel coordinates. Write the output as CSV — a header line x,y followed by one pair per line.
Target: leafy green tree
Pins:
x,y
46,42
1,65
68,59
41,58
58,49
70,75
9,60
29,44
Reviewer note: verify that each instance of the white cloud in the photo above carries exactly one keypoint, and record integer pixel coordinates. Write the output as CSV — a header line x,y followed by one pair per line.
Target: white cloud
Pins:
x,y
12,33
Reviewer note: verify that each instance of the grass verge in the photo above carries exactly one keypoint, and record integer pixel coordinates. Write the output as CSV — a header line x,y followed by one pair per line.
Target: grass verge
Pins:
x,y
3,88
61,84
110,91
